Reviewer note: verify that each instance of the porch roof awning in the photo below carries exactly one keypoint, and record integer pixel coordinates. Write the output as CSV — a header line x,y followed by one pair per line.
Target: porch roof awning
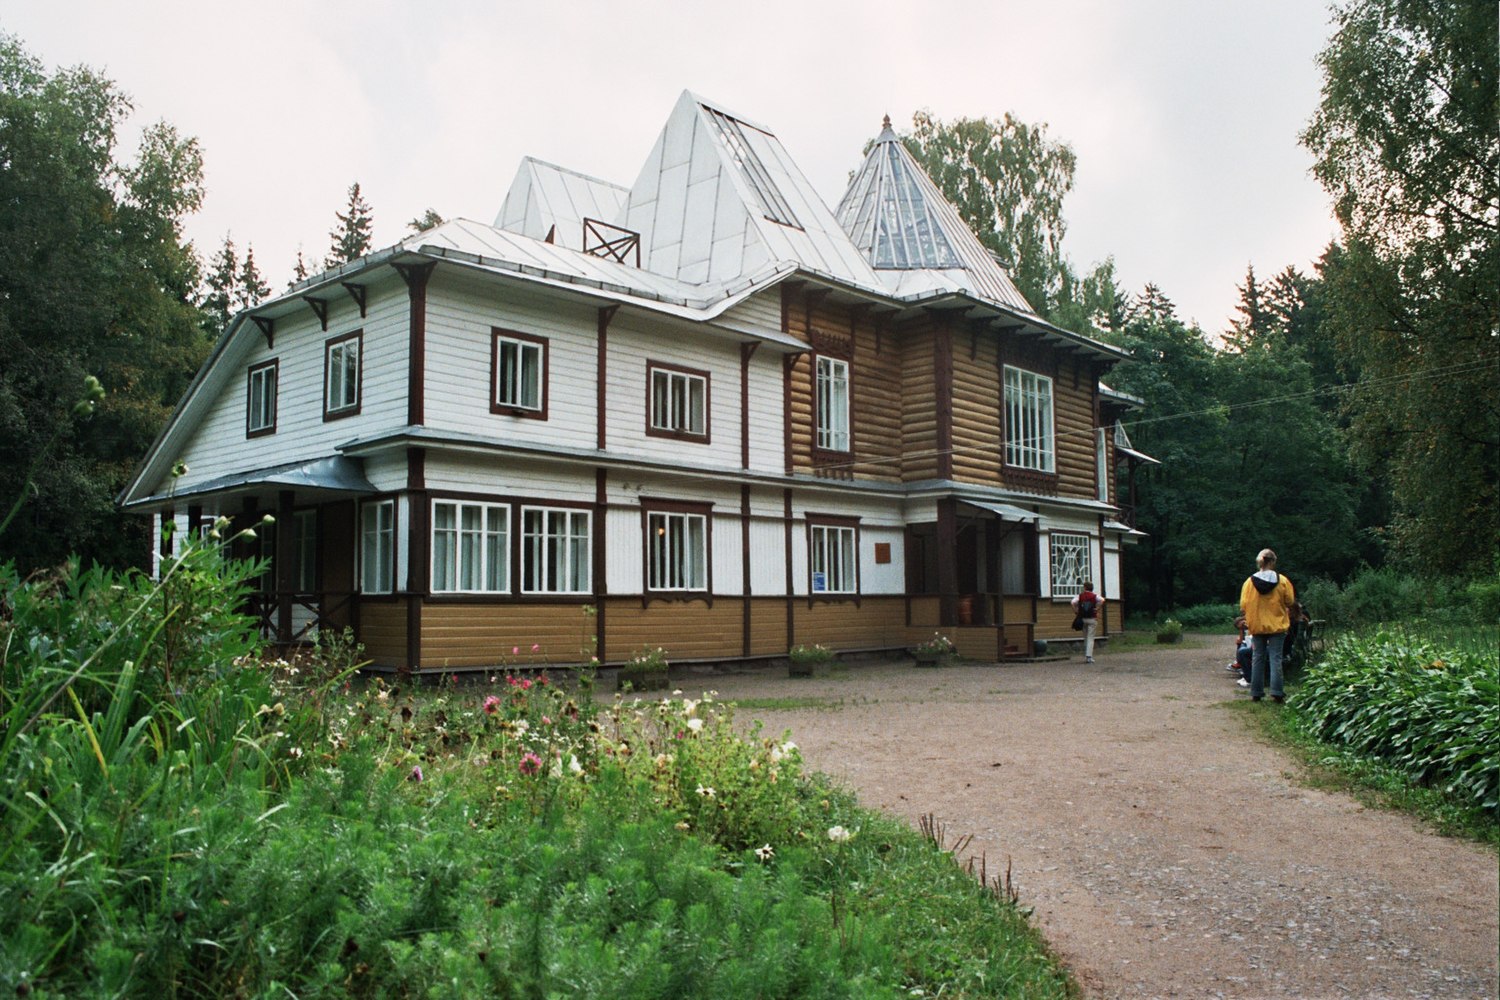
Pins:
x,y
336,474
1005,511
1123,527
1139,455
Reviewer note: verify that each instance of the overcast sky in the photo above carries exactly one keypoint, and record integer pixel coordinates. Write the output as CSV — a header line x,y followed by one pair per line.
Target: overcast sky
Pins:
x,y
1184,114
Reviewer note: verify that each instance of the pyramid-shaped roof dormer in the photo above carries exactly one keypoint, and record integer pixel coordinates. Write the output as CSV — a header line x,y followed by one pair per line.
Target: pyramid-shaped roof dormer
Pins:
x,y
719,197
545,199
914,239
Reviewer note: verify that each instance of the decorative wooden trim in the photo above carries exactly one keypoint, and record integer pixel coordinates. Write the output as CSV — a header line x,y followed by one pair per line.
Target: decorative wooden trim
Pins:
x,y
357,293
942,365
651,506
747,351
835,345
544,375
416,277
745,578
275,365
359,376
611,242
601,375
268,328
652,430
947,544
319,308
788,365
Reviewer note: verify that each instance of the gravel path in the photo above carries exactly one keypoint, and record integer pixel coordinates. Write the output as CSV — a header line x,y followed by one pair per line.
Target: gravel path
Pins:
x,y
1169,851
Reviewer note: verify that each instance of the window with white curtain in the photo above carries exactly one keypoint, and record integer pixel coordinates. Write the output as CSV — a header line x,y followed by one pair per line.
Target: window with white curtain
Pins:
x,y
832,391
679,402
833,560
470,547
377,553
1028,420
678,551
555,551
519,374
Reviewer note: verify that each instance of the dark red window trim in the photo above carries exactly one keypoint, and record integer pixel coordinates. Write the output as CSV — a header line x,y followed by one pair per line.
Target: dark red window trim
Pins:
x,y
654,431
275,365
831,456
359,376
510,409
706,511
832,596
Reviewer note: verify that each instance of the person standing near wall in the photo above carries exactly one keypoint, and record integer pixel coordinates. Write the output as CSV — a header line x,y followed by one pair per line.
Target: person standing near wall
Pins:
x,y
1086,607
1266,600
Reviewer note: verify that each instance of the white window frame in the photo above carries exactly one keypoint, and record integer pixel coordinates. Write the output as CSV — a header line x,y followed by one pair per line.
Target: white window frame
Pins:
x,y
377,547
478,551
833,562
679,402
1029,421
342,374
261,415
831,389
1072,560
1101,464
510,390
676,552
547,553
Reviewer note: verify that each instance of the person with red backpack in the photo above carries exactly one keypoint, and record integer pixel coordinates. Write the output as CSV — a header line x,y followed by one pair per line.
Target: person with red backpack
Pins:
x,y
1086,608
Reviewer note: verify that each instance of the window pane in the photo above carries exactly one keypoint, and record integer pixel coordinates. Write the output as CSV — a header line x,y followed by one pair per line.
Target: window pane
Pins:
x,y
531,376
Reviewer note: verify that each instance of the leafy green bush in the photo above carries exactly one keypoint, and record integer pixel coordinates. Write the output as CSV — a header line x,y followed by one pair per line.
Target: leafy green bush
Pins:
x,y
1207,617
1169,631
1426,709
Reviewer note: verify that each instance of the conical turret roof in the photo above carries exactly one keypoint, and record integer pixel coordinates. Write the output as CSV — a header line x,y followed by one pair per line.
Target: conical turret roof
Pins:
x,y
916,241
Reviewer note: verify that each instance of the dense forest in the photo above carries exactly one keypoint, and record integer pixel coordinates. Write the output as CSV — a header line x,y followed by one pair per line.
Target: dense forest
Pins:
x,y
1347,418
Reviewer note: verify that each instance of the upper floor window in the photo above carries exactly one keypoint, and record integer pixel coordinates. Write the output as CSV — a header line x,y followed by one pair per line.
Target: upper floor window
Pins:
x,y
377,549
470,547
833,559
678,405
518,374
1028,420
260,413
832,391
554,551
341,375
677,551
1071,555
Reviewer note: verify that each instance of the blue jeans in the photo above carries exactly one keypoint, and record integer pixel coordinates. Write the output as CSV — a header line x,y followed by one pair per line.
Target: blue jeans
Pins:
x,y
1263,648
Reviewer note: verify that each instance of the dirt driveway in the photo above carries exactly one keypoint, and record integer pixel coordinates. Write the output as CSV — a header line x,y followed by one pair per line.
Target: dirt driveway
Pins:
x,y
1168,850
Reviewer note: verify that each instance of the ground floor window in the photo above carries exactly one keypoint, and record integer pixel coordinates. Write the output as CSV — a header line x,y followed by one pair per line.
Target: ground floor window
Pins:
x,y
833,560
377,549
470,547
554,551
678,551
1070,563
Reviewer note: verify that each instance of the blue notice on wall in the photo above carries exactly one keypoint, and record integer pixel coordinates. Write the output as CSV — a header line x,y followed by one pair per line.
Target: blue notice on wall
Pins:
x,y
820,582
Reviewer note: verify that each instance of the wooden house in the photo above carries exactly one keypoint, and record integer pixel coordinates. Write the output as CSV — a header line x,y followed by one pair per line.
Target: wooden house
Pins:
x,y
703,412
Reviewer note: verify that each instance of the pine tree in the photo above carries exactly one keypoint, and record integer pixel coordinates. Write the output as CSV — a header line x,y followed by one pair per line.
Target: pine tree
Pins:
x,y
299,270
427,220
252,287
352,237
223,280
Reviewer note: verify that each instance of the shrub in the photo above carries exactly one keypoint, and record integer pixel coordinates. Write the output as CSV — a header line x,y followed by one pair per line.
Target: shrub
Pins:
x,y
1169,631
647,670
804,658
1425,709
1207,617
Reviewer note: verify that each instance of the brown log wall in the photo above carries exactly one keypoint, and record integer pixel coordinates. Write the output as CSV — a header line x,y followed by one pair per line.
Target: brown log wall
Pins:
x,y
918,403
1073,408
978,452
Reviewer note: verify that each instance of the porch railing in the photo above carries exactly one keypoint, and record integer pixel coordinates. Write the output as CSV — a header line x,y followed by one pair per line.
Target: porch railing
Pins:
x,y
309,613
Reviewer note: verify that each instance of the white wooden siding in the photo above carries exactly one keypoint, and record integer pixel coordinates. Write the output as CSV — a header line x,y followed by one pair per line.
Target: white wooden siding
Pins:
x,y
462,309
219,446
768,558
756,315
728,555
505,476
624,557
889,578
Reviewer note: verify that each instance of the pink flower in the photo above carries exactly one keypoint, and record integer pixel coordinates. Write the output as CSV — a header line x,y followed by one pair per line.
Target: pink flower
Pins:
x,y
535,646
416,773
491,705
530,763
515,650
526,685
546,720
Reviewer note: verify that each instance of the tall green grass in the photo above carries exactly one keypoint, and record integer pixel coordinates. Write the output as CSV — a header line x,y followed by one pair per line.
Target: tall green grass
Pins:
x,y
179,818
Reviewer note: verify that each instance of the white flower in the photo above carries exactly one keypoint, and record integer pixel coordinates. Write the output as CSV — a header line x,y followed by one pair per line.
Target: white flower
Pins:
x,y
781,751
839,834
705,791
573,764
689,706
696,725
765,853
522,725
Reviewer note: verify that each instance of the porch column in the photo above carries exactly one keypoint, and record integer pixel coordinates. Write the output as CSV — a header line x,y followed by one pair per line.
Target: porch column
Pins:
x,y
947,544
285,567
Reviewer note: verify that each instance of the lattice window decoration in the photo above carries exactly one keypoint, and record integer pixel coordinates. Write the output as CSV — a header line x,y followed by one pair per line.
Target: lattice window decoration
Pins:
x,y
1028,420
1071,563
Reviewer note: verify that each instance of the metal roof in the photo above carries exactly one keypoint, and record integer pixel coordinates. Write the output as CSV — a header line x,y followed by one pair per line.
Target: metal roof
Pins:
x,y
916,240
544,195
1005,511
335,474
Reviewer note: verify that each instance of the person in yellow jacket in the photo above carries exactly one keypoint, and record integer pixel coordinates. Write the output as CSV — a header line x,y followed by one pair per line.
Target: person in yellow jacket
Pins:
x,y
1266,601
